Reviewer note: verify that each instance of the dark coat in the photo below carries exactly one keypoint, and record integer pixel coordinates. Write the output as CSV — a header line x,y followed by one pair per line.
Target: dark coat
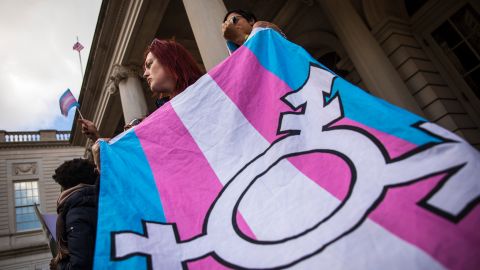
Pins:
x,y
80,213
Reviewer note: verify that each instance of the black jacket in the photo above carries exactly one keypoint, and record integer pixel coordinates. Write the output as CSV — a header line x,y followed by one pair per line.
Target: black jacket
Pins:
x,y
80,212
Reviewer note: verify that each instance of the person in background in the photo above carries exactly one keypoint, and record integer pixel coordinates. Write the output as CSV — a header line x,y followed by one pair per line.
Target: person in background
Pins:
x,y
168,69
77,214
238,25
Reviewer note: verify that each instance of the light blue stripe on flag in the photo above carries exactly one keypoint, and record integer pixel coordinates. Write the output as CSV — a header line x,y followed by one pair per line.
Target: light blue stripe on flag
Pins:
x,y
274,53
123,204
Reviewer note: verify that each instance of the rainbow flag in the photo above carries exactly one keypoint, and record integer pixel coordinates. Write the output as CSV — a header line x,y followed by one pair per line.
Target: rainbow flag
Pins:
x,y
273,161
67,101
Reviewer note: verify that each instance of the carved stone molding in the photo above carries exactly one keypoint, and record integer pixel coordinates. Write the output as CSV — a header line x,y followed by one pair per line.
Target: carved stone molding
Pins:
x,y
20,169
119,74
112,88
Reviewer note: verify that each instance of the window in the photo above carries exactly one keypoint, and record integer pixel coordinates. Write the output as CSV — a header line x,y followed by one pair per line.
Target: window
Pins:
x,y
459,38
26,196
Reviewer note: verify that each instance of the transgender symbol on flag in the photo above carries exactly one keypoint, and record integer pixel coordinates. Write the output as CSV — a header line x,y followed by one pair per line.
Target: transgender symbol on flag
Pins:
x,y
311,127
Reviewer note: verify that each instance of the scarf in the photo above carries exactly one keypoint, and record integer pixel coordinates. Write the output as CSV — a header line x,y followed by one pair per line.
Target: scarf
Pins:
x,y
62,245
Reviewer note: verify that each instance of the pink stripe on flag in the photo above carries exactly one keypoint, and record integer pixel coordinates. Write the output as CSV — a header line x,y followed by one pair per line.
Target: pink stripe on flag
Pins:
x,y
454,245
69,100
337,170
186,182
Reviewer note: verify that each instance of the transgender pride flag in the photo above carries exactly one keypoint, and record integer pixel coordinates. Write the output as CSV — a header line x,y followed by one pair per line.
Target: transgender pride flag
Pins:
x,y
272,161
67,101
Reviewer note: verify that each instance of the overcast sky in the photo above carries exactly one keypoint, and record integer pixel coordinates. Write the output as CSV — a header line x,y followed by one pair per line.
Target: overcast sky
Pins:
x,y
37,61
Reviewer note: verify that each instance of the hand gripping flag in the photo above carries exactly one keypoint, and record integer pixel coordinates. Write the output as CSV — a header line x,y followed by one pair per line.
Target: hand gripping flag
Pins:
x,y
272,161
67,101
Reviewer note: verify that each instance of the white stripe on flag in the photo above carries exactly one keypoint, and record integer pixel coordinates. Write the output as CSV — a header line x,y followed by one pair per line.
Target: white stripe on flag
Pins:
x,y
67,102
229,141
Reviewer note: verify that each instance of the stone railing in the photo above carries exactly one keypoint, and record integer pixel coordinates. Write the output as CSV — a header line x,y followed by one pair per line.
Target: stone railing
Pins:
x,y
33,136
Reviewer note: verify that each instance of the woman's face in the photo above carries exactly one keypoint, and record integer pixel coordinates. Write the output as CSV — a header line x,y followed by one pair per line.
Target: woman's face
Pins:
x,y
160,82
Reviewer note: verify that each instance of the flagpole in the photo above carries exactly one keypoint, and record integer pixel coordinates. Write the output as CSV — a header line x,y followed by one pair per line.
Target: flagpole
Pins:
x,y
80,113
81,72
80,58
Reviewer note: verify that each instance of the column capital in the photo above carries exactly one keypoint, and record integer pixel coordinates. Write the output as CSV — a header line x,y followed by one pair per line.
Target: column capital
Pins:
x,y
125,80
112,87
120,73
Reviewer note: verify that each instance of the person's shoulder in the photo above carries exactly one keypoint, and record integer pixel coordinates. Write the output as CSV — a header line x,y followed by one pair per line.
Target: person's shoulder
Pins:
x,y
84,197
81,207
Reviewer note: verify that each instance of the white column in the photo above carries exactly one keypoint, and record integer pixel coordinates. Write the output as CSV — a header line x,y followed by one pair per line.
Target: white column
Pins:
x,y
371,62
205,18
127,81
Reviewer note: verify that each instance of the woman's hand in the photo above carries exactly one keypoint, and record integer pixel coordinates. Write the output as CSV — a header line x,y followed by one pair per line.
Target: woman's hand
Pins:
x,y
96,151
264,24
89,129
133,123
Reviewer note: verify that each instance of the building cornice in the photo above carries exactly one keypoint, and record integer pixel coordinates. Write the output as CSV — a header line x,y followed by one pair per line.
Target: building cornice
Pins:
x,y
34,139
124,29
23,251
28,145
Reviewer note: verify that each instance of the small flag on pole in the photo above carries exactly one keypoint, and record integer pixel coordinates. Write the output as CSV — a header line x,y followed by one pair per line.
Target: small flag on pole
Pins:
x,y
67,101
77,46
48,222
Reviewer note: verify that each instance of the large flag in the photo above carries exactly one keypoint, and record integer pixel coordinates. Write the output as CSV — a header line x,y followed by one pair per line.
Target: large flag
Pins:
x,y
67,101
272,161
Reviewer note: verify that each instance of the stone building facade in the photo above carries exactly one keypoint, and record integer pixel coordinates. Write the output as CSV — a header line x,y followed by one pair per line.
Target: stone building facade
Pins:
x,y
27,163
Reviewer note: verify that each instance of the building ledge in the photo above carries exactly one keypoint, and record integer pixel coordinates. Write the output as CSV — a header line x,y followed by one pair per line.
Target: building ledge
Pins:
x,y
29,139
23,251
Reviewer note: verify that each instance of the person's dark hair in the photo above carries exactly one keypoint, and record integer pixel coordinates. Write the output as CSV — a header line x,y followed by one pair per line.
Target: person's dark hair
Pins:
x,y
74,172
245,14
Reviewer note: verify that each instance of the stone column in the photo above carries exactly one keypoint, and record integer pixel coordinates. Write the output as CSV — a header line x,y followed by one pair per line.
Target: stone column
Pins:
x,y
205,18
370,60
127,81
441,104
